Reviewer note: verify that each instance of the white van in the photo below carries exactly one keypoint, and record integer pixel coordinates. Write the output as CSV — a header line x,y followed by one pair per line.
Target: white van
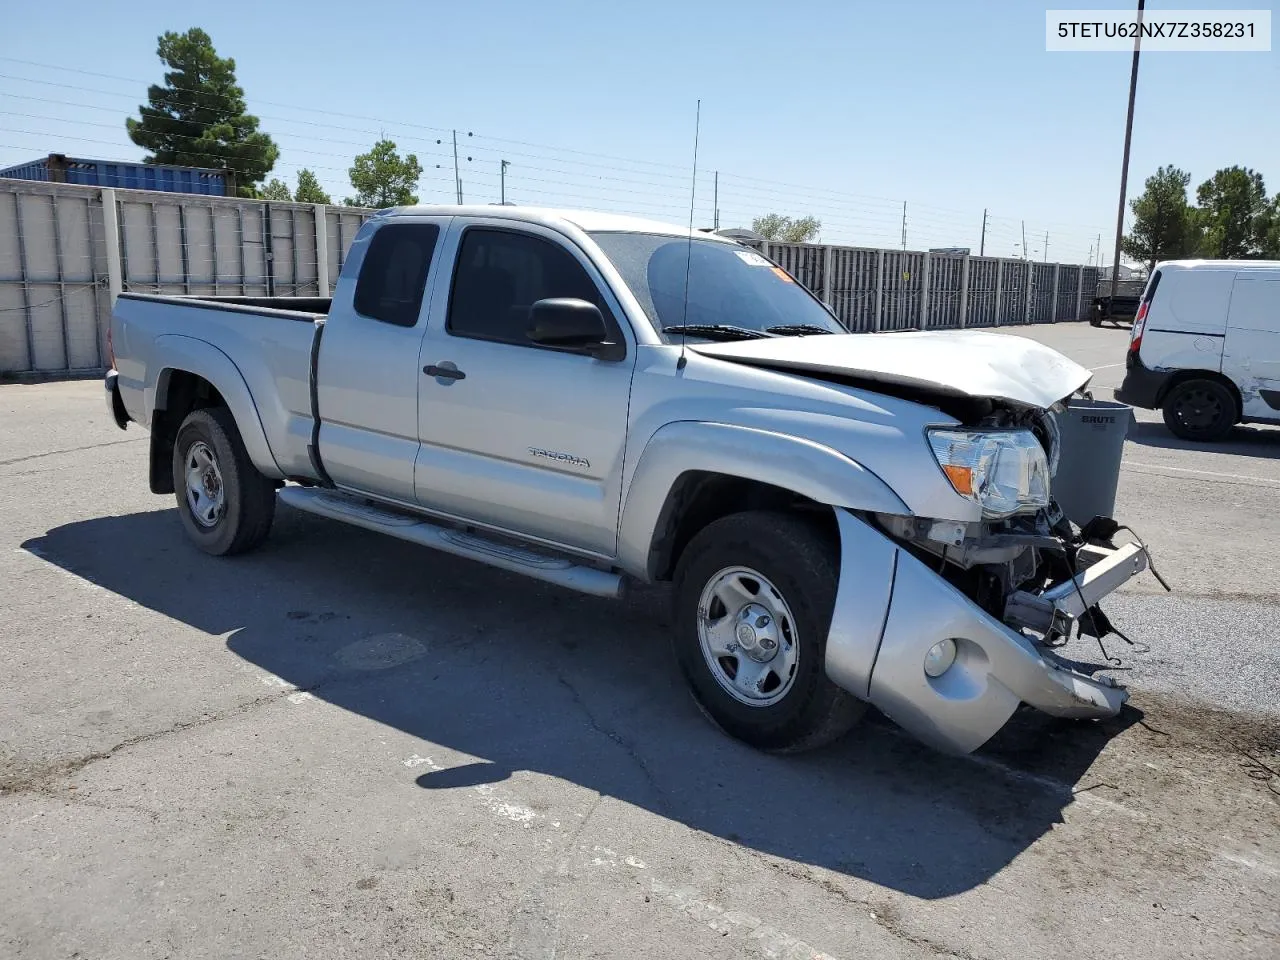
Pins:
x,y
1205,346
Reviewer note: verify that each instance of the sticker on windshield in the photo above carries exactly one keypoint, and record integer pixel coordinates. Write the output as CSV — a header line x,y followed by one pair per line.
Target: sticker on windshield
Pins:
x,y
782,275
752,258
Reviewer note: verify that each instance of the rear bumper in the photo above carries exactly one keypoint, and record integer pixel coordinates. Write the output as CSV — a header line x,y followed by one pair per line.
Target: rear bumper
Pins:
x,y
1142,387
890,609
115,405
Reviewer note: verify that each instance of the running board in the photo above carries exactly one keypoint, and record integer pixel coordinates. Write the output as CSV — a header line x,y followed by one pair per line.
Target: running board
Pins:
x,y
541,566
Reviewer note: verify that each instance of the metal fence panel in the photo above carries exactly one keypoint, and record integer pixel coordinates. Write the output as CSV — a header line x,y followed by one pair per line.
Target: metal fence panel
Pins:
x,y
1042,292
1013,292
853,287
900,309
342,224
51,265
1065,296
945,274
982,292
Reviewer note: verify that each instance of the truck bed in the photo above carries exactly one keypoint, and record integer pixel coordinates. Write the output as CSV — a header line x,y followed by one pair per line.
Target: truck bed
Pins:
x,y
268,339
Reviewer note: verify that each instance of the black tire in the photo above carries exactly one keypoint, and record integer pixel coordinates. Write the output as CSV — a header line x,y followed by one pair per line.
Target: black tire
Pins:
x,y
243,519
802,562
1201,410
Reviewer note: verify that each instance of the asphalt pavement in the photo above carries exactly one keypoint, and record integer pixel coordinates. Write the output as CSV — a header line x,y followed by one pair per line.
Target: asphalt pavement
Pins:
x,y
346,746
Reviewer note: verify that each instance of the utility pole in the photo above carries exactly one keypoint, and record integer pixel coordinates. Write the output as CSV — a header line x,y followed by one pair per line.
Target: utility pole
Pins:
x,y
502,176
1128,135
904,224
715,203
1024,240
982,246
457,177
1098,248
1046,246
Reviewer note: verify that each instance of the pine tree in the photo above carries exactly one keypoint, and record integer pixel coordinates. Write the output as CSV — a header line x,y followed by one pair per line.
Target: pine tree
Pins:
x,y
197,117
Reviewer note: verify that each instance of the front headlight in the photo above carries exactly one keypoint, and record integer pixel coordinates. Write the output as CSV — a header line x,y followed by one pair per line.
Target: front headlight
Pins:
x,y
1005,471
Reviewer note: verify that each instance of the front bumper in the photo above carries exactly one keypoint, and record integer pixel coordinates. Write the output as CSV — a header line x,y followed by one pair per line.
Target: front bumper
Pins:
x,y
890,609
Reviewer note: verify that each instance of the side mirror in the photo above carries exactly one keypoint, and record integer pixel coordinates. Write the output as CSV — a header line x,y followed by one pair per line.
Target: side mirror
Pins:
x,y
568,322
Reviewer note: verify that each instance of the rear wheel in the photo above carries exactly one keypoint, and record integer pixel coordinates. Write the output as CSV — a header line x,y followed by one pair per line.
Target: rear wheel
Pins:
x,y
754,594
1201,410
225,504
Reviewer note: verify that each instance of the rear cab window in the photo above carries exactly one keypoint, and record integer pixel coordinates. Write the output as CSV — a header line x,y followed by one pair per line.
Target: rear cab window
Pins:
x,y
393,276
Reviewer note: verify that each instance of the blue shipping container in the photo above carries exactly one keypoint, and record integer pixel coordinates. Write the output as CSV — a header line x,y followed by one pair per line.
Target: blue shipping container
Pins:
x,y
57,168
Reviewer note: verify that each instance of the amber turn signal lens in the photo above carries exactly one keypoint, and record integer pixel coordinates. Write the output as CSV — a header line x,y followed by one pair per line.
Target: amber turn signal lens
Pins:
x,y
961,478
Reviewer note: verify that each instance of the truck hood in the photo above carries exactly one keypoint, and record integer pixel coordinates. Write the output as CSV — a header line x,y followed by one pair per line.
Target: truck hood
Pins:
x,y
959,363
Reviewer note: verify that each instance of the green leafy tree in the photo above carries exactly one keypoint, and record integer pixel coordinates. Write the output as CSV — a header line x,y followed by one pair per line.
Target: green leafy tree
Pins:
x,y
382,179
1164,223
309,189
197,117
1235,213
1271,247
787,229
275,190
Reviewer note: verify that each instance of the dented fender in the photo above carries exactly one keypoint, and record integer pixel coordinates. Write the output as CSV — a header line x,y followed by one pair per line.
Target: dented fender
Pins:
x,y
792,463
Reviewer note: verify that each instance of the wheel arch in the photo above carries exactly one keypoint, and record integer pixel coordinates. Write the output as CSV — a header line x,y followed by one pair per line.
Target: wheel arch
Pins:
x,y
1183,376
197,374
691,474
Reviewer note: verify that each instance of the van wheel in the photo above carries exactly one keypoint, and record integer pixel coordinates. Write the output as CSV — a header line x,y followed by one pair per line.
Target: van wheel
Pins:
x,y
1202,410
225,504
753,599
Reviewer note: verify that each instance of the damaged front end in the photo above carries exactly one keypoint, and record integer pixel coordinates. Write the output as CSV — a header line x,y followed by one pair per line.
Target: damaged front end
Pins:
x,y
947,626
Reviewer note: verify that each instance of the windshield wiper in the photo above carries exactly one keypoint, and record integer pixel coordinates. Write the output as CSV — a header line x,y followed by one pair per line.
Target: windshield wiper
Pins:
x,y
797,329
717,331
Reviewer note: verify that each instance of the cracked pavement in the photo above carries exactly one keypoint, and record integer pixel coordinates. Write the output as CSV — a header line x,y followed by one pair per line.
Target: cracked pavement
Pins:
x,y
347,746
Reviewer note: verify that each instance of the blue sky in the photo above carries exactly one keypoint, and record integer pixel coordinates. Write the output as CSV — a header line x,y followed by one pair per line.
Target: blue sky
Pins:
x,y
839,110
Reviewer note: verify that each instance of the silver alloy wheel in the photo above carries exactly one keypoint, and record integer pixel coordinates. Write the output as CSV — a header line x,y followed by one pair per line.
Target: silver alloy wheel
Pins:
x,y
748,636
206,495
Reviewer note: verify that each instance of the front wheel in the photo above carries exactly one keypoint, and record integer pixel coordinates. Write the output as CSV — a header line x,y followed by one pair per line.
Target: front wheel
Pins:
x,y
1201,410
754,594
225,504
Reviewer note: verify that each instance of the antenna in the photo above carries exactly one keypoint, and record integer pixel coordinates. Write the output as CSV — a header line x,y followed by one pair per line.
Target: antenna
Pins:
x,y
688,257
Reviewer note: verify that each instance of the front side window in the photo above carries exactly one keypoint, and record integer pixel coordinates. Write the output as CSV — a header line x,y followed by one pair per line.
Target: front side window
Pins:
x,y
393,275
500,274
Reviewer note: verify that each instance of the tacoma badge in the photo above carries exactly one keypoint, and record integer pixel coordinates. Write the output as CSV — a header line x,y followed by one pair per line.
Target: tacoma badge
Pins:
x,y
559,457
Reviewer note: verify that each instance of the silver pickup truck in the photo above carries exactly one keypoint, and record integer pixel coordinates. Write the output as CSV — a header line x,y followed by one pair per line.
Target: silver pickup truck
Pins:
x,y
585,398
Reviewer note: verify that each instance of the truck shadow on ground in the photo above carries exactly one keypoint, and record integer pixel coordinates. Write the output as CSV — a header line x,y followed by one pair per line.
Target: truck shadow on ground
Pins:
x,y
513,675
1242,441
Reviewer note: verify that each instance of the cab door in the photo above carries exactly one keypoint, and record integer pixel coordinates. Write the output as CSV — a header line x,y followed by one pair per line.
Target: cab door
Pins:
x,y
515,435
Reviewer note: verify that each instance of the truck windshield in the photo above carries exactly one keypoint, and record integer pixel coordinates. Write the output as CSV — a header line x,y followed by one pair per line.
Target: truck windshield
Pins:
x,y
729,285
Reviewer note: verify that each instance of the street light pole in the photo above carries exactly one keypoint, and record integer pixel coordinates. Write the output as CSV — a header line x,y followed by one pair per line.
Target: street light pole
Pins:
x,y
1124,168
502,173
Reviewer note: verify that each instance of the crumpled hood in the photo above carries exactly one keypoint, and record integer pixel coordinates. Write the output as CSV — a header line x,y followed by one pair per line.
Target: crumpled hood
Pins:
x,y
962,363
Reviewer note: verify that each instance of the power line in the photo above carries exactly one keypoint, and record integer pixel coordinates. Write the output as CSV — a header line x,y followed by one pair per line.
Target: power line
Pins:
x,y
863,212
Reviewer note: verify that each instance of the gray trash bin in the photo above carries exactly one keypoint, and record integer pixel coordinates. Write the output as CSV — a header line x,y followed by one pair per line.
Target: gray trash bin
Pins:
x,y
1093,433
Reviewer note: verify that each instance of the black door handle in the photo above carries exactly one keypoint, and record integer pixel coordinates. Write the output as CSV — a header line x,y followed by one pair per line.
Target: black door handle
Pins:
x,y
449,373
